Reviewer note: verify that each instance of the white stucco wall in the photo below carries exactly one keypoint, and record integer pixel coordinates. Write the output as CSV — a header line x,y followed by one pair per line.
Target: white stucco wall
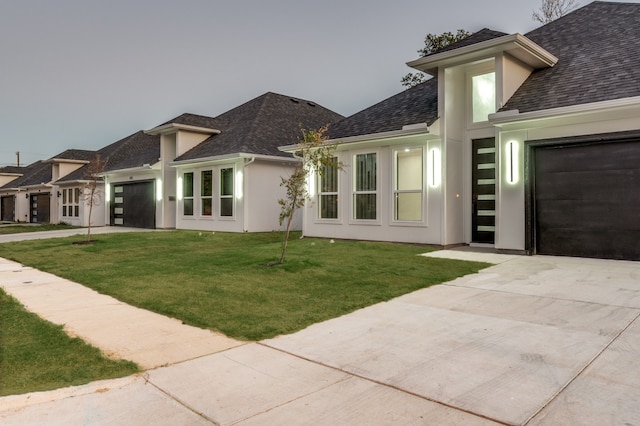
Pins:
x,y
384,227
511,214
262,191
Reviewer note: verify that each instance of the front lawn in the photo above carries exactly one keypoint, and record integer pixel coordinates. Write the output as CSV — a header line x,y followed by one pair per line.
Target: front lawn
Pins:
x,y
218,281
36,355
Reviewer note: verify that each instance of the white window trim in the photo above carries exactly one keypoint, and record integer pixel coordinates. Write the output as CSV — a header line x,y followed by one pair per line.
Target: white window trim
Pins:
x,y
352,210
233,192
318,180
192,197
423,191
72,202
201,197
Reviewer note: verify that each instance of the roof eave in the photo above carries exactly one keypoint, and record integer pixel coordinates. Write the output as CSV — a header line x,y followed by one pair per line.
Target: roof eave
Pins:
x,y
516,45
174,127
64,160
227,157
511,117
409,130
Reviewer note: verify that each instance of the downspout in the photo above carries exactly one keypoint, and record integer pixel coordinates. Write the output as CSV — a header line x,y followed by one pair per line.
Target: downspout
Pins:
x,y
245,205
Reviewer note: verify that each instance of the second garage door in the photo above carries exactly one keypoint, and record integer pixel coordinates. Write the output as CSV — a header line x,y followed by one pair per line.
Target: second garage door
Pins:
x,y
133,204
587,200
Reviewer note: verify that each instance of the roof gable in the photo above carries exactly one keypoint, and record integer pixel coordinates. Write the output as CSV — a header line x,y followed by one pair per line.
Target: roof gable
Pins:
x,y
598,51
260,125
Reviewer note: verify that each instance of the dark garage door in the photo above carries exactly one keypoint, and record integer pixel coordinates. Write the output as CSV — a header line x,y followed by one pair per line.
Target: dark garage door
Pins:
x,y
8,206
587,200
133,204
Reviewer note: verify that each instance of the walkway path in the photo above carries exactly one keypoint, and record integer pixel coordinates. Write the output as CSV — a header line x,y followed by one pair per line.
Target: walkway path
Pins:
x,y
531,340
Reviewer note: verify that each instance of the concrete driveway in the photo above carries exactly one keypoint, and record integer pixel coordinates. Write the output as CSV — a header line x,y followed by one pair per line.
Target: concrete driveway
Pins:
x,y
531,340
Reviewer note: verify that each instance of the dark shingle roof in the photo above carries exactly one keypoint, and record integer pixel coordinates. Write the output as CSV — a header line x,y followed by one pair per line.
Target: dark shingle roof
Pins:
x,y
193,120
598,50
12,169
34,174
260,126
75,154
132,151
418,104
40,172
475,38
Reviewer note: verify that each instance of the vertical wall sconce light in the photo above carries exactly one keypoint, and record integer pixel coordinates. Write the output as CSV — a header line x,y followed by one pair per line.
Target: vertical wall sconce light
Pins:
x,y
512,162
434,165
239,185
159,190
179,188
107,193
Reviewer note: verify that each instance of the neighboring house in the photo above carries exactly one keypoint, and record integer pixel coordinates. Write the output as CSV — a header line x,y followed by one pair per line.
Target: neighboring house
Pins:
x,y
522,143
209,173
36,196
8,201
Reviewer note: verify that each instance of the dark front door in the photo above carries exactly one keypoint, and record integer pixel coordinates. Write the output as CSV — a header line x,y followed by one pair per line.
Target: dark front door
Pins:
x,y
8,206
40,207
133,205
587,200
483,175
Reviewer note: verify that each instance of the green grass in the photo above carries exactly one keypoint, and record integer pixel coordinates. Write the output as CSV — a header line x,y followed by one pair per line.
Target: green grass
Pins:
x,y
218,281
17,229
36,355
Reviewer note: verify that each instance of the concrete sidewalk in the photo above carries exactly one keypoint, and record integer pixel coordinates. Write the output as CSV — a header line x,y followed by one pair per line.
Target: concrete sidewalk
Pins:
x,y
42,235
531,340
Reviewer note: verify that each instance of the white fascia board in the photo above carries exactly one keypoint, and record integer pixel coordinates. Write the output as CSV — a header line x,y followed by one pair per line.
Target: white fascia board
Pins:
x,y
409,130
63,160
227,157
513,117
144,168
174,127
516,45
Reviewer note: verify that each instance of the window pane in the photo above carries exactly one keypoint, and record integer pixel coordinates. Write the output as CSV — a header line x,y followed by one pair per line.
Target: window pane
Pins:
x,y
366,172
409,169
328,206
77,197
64,197
76,211
365,206
188,207
206,189
64,210
483,96
226,181
409,206
207,207
187,186
329,179
226,207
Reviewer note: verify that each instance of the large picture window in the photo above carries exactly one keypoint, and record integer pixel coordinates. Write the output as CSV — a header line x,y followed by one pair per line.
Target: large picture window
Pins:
x,y
187,194
71,202
408,184
328,191
365,194
226,192
206,193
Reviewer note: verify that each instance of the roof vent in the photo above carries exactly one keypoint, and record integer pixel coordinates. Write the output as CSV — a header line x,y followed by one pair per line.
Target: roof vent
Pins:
x,y
294,100
311,104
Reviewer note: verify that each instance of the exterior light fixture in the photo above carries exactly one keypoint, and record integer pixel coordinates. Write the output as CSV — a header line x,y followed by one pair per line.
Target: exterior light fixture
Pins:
x,y
434,165
512,162
159,190
311,184
107,193
179,189
239,185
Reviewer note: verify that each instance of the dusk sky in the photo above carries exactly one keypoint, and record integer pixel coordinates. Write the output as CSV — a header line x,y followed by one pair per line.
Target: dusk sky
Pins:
x,y
85,73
